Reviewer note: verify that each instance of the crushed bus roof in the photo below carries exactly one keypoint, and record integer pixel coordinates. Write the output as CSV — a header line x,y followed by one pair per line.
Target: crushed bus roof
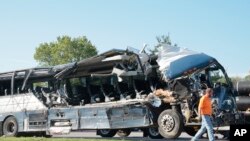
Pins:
x,y
96,64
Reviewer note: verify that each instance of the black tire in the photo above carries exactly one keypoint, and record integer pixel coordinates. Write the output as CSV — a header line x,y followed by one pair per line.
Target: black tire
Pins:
x,y
1,129
123,132
106,132
154,133
190,130
170,124
10,127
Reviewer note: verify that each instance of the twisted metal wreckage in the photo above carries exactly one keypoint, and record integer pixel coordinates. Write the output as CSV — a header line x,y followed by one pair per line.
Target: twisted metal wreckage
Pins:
x,y
119,89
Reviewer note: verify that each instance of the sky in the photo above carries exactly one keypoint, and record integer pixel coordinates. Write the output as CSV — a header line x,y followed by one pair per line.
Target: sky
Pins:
x,y
218,28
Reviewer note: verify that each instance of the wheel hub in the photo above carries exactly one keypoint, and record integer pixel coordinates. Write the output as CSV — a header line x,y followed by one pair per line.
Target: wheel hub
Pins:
x,y
105,131
11,127
168,123
154,131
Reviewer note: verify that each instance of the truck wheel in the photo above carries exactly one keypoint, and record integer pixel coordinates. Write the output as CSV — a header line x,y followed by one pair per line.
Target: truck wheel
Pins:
x,y
191,130
123,132
106,132
10,127
170,124
153,133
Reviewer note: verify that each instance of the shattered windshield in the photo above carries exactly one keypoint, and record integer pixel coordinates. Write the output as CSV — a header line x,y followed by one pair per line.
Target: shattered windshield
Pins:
x,y
217,77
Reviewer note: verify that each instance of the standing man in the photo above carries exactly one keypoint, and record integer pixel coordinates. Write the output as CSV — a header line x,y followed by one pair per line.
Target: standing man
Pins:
x,y
205,110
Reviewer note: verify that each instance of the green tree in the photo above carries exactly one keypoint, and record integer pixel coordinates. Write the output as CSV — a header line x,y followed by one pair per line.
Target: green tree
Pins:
x,y
247,77
64,50
163,39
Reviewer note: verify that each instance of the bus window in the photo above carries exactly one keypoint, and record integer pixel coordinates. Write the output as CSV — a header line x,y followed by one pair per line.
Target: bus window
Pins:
x,y
5,88
38,86
77,91
18,87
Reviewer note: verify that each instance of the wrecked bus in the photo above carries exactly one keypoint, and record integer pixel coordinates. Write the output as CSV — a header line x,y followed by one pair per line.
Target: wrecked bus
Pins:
x,y
116,91
76,96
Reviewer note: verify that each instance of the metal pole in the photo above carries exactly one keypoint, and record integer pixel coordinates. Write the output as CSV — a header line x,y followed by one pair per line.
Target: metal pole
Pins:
x,y
12,82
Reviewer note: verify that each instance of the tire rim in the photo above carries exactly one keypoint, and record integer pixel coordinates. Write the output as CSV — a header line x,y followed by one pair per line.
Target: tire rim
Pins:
x,y
167,123
121,131
105,131
11,127
153,131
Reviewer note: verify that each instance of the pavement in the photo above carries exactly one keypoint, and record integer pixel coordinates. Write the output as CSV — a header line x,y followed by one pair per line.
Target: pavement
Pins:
x,y
134,136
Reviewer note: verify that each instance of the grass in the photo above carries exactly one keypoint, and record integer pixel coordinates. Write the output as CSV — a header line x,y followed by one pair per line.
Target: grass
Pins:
x,y
50,139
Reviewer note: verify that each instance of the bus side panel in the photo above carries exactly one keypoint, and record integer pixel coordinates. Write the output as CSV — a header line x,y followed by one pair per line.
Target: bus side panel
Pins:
x,y
114,117
64,114
35,120
129,116
93,118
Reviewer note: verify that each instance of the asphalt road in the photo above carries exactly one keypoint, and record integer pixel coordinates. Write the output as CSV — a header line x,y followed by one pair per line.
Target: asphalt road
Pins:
x,y
136,136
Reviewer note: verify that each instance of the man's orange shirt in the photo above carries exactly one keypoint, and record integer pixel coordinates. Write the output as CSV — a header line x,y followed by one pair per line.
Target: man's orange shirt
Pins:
x,y
205,105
